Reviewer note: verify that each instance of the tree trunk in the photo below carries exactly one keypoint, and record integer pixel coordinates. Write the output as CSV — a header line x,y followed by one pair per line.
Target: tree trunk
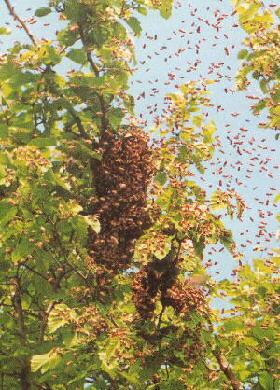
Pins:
x,y
25,383
25,372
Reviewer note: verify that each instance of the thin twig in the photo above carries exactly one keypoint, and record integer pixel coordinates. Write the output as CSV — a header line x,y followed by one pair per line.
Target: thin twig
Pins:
x,y
45,318
35,272
78,122
21,22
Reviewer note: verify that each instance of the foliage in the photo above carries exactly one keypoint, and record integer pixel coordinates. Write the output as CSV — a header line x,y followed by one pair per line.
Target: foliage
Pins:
x,y
50,122
261,56
254,296
253,324
103,231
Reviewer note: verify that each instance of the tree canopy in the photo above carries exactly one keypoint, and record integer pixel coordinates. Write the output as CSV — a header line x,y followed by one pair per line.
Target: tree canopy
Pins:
x,y
104,225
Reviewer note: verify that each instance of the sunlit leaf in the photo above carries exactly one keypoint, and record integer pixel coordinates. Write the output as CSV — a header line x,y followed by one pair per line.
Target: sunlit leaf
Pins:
x,y
42,11
77,55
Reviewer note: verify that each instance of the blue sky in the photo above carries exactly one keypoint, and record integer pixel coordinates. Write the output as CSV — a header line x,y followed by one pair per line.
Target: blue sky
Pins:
x,y
180,35
246,159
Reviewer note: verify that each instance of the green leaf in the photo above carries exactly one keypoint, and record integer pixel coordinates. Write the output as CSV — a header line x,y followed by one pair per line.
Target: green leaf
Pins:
x,y
233,325
142,10
60,316
197,120
135,25
132,377
52,56
107,354
39,361
77,55
227,240
93,222
266,381
263,85
242,54
161,178
199,247
3,131
166,9
208,131
23,249
115,116
42,142
277,198
161,252
7,71
5,31
166,198
7,212
70,338
56,323
43,11
67,38
45,362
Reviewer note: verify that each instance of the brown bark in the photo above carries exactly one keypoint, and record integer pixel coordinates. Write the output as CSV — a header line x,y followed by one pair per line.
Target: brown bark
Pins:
x,y
225,368
223,363
25,377
25,383
18,19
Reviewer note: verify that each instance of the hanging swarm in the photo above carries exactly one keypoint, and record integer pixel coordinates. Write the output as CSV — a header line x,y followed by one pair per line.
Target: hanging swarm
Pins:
x,y
159,277
150,284
145,288
121,179
156,276
185,298
192,346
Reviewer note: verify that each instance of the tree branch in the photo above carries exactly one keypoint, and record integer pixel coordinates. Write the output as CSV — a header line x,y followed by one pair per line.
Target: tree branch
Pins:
x,y
45,318
226,369
35,272
21,22
78,122
25,364
223,363
160,317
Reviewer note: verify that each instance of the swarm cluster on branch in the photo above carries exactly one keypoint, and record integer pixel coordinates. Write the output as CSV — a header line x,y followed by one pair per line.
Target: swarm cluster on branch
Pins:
x,y
121,179
159,279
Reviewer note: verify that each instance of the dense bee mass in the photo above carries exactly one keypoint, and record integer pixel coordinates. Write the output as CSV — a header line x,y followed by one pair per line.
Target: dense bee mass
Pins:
x,y
145,288
185,298
159,279
151,284
121,179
